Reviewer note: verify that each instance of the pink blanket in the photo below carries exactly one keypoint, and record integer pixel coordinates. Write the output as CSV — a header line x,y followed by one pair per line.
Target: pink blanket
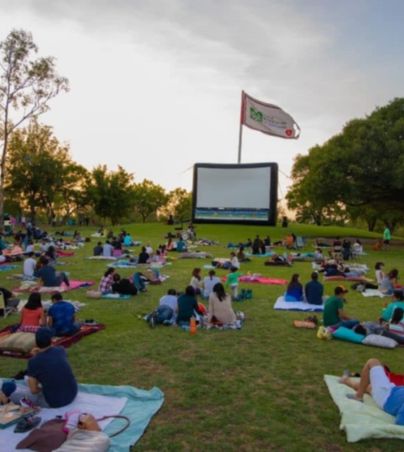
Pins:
x,y
263,280
74,284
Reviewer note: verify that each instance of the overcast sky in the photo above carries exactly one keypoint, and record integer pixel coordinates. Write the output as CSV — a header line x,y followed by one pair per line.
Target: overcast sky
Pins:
x,y
156,85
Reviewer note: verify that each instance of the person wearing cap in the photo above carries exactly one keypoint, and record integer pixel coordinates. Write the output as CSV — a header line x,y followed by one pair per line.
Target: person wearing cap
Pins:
x,y
50,379
334,314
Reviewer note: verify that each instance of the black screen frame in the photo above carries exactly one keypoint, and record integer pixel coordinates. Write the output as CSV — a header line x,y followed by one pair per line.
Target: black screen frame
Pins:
x,y
273,194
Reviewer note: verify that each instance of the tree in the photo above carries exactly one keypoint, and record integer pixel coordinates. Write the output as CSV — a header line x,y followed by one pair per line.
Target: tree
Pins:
x,y
359,170
148,198
41,172
26,87
179,205
111,193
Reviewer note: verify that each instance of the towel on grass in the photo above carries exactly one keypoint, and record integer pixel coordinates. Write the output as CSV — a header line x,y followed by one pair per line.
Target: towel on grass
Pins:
x,y
115,296
102,258
101,400
262,280
373,293
64,341
266,254
6,268
347,278
74,284
283,305
361,420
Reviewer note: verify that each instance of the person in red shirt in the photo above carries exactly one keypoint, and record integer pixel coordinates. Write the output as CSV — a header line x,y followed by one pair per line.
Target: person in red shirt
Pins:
x,y
32,313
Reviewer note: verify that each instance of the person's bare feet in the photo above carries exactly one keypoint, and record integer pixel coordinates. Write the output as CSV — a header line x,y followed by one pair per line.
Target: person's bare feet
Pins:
x,y
354,397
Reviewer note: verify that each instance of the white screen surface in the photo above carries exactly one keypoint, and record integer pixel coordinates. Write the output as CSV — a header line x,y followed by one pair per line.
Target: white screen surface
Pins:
x,y
243,188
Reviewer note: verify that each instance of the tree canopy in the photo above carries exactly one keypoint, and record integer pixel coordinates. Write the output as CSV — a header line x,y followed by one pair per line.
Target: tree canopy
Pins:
x,y
359,171
27,84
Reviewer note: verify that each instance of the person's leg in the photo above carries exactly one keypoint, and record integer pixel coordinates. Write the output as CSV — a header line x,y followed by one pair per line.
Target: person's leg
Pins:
x,y
348,323
23,392
365,377
234,291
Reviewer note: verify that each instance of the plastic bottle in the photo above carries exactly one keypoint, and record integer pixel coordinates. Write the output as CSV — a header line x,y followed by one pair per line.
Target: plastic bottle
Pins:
x,y
192,325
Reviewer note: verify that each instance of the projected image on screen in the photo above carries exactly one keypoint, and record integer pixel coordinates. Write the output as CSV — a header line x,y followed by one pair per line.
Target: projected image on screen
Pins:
x,y
235,193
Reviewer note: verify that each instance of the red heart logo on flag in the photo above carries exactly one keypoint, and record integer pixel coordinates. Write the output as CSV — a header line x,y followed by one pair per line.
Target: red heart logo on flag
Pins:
x,y
289,132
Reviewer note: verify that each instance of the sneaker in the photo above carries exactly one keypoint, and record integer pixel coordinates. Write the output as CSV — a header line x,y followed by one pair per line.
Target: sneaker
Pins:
x,y
152,321
27,423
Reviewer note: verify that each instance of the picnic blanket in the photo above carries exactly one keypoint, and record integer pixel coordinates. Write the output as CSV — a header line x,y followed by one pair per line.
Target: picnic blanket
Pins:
x,y
195,255
262,280
266,254
61,253
361,420
74,284
137,404
46,304
115,296
347,278
6,268
373,293
64,341
283,305
102,258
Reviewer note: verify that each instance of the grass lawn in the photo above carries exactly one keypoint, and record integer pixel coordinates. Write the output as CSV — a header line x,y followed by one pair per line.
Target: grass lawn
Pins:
x,y
260,388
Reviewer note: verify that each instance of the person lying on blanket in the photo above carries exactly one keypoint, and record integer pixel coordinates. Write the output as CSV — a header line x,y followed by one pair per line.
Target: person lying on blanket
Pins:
x,y
51,382
61,317
387,396
334,313
122,285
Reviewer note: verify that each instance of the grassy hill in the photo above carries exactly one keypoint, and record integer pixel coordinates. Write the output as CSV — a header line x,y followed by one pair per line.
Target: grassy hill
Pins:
x,y
260,388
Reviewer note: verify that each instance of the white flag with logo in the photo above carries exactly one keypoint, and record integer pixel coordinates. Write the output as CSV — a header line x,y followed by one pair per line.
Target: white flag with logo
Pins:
x,y
268,118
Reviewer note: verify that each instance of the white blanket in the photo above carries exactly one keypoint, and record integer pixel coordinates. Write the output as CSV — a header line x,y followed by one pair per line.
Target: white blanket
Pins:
x,y
373,293
361,420
95,404
283,305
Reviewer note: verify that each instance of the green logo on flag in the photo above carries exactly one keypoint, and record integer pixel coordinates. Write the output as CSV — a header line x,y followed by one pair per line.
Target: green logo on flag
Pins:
x,y
256,115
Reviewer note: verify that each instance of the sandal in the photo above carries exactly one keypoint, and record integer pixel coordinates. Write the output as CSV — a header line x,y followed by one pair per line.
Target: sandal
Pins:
x,y
27,423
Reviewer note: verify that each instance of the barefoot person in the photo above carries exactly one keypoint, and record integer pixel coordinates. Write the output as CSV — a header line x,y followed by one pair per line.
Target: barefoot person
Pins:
x,y
387,396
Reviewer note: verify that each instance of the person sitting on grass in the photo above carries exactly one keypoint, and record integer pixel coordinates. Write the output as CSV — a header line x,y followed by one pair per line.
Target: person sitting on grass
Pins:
x,y
396,302
166,313
51,382
220,309
209,282
334,314
98,249
61,317
127,240
32,314
29,266
294,291
196,281
122,285
181,245
314,290
232,281
379,274
143,257
48,275
373,380
187,306
389,282
107,281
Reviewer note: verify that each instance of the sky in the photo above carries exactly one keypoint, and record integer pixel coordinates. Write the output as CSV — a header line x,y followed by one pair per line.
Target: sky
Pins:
x,y
155,86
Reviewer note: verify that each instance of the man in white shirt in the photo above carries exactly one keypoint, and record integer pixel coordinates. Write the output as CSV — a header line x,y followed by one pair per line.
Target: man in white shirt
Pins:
x,y
29,266
107,249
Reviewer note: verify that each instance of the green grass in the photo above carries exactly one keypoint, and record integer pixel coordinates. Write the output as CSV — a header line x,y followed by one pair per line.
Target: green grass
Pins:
x,y
260,388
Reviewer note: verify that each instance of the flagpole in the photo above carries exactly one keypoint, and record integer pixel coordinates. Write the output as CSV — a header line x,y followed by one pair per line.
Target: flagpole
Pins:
x,y
240,133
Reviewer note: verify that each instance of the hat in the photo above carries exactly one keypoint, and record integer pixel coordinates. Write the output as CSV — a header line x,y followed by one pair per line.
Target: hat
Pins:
x,y
340,289
8,387
43,337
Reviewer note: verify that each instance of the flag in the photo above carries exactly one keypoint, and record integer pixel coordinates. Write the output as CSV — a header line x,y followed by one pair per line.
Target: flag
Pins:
x,y
267,118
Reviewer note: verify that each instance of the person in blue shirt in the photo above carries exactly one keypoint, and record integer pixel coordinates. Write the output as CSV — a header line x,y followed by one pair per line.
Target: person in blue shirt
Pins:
x,y
49,276
314,290
61,317
294,291
51,382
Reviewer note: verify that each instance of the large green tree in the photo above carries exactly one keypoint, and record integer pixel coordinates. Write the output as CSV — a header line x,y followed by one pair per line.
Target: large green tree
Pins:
x,y
27,84
111,193
362,168
41,173
148,198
